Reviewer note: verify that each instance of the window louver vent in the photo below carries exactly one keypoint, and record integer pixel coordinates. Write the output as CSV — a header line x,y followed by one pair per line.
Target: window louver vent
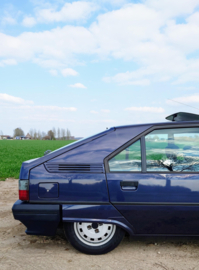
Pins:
x,y
66,168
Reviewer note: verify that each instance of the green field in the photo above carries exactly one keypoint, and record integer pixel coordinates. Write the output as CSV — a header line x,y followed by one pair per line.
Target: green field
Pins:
x,y
13,153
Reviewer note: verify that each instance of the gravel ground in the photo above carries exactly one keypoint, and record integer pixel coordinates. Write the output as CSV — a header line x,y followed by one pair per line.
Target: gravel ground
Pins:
x,y
21,251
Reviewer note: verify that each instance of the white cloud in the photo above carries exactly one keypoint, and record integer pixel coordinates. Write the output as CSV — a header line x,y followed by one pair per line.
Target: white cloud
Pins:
x,y
114,2
18,111
11,99
69,72
77,85
53,72
75,11
29,21
50,49
10,14
10,62
170,8
49,108
107,121
97,121
94,112
145,33
130,78
9,20
186,87
45,118
146,109
105,111
134,34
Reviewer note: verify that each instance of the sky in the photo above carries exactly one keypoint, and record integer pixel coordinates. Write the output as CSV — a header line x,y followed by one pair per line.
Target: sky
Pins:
x,y
89,65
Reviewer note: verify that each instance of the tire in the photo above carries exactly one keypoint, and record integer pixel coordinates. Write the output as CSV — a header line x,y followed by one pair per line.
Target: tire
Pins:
x,y
93,238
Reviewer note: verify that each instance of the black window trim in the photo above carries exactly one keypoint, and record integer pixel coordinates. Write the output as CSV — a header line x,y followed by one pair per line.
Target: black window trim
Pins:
x,y
141,137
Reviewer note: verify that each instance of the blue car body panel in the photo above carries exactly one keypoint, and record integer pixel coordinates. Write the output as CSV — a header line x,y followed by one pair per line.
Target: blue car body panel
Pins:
x,y
161,204
76,185
73,187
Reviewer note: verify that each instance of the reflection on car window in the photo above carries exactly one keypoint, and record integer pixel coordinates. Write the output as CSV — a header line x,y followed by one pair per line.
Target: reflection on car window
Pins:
x,y
174,150
127,160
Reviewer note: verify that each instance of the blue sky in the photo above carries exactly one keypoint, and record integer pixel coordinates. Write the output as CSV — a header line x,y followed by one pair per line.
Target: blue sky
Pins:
x,y
88,65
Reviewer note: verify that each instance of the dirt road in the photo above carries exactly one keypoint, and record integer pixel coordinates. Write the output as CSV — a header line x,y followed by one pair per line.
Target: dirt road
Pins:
x,y
20,251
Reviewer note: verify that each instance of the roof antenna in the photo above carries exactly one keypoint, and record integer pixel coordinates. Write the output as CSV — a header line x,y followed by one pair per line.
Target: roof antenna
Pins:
x,y
183,104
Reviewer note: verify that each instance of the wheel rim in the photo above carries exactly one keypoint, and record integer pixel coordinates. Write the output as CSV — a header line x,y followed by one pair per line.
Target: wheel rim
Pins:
x,y
94,234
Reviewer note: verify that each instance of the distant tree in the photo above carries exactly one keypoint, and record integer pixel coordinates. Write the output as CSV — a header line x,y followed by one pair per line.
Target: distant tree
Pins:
x,y
54,131
46,137
63,134
58,133
43,134
35,134
18,132
68,134
51,135
39,136
31,132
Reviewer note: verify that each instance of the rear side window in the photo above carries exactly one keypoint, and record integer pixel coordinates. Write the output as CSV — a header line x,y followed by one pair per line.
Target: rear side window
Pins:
x,y
128,159
173,150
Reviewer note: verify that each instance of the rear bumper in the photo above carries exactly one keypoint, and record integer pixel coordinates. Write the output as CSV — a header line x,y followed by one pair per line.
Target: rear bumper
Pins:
x,y
40,219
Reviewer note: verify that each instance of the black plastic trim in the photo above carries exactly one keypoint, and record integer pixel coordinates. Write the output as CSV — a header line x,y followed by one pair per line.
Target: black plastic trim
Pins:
x,y
155,203
129,183
68,202
74,168
24,207
39,219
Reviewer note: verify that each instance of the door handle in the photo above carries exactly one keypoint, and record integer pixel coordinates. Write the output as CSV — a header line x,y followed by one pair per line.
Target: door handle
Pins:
x,y
129,185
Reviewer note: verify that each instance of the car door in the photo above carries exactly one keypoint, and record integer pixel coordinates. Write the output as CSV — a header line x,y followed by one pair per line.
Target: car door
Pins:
x,y
154,181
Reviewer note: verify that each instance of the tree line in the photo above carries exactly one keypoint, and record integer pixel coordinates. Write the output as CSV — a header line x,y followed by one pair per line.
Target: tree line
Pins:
x,y
53,134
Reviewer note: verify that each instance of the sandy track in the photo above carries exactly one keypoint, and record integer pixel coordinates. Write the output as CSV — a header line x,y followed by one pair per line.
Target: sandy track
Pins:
x,y
20,251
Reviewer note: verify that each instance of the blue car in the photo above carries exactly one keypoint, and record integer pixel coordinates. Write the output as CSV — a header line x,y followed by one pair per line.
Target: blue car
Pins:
x,y
137,180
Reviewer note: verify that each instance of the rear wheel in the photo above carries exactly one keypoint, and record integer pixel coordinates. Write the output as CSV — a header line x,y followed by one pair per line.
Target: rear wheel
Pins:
x,y
93,238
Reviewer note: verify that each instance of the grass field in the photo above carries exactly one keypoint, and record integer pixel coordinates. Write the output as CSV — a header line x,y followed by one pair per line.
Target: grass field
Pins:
x,y
13,153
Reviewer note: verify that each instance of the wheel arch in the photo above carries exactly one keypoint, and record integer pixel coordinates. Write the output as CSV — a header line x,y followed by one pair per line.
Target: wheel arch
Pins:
x,y
108,221
96,213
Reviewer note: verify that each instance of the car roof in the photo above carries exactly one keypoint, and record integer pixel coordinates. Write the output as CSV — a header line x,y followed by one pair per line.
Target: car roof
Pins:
x,y
160,124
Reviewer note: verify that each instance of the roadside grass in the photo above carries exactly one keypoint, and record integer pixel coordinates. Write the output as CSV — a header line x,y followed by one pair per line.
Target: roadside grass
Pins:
x,y
13,153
